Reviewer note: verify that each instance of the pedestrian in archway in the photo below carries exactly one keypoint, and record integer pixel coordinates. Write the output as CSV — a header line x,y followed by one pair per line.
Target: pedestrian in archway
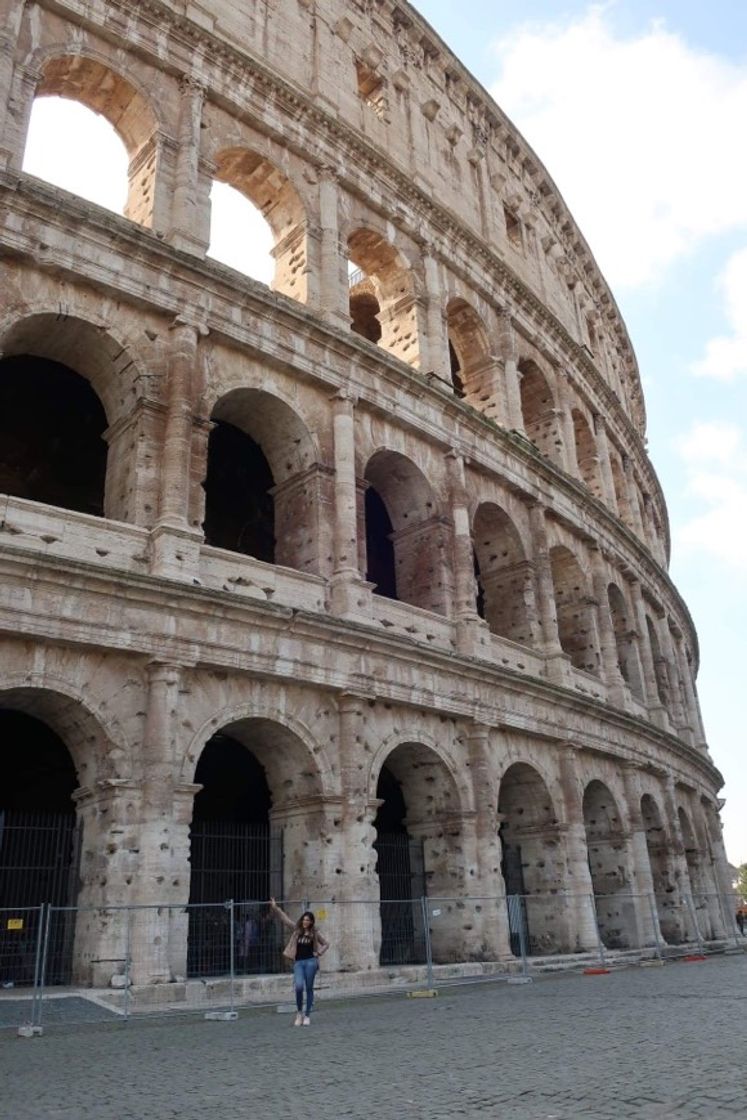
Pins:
x,y
305,947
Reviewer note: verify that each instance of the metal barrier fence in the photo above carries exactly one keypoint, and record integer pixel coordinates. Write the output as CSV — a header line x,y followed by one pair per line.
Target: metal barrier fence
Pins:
x,y
62,965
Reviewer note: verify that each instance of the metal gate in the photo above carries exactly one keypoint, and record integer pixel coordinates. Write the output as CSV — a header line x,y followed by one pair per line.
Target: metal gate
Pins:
x,y
39,863
513,877
401,871
243,862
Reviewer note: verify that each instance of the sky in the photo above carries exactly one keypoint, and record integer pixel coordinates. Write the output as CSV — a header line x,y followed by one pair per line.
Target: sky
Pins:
x,y
637,109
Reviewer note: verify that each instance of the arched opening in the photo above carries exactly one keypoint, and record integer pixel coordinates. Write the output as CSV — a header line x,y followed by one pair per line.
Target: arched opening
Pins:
x,y
248,843
263,486
239,235
621,490
625,641
52,424
662,872
532,864
418,846
576,629
39,847
539,412
382,296
586,453
610,866
469,352
101,91
239,506
277,205
406,539
504,575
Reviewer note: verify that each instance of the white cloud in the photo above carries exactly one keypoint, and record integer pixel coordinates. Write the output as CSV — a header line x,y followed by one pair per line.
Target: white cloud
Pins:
x,y
715,460
641,134
726,356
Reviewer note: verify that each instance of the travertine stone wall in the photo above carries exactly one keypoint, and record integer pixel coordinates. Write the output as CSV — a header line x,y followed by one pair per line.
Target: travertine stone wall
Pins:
x,y
532,688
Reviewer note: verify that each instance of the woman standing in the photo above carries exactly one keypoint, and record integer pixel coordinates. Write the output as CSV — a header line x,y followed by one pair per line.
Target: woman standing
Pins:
x,y
305,947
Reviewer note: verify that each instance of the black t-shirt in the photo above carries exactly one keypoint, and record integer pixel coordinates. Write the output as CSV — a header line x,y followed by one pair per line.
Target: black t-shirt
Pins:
x,y
304,947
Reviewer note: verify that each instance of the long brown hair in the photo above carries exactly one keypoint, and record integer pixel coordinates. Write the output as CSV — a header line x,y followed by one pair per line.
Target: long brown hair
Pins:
x,y
299,923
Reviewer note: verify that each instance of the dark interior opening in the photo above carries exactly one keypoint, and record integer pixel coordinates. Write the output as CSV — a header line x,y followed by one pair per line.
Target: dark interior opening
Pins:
x,y
379,548
239,507
364,309
52,448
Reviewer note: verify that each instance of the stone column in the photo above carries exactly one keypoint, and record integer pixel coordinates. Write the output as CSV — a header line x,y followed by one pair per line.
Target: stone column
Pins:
x,y
8,42
565,401
472,633
511,375
651,689
676,709
174,543
573,832
721,874
613,677
633,503
436,352
605,466
358,887
647,917
350,596
487,886
333,295
189,226
25,81
558,661
158,940
691,698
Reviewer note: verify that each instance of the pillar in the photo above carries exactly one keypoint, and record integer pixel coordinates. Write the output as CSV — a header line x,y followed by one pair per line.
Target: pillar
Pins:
x,y
579,883
656,709
189,226
487,886
545,598
174,543
647,916
613,677
691,698
471,630
679,861
511,375
350,596
8,41
436,352
357,888
24,83
603,450
565,400
329,289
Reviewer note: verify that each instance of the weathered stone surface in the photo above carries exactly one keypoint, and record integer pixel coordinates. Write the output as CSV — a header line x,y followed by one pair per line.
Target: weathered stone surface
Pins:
x,y
542,699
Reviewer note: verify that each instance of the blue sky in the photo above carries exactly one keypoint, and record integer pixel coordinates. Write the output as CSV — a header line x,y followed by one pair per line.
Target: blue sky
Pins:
x,y
638,111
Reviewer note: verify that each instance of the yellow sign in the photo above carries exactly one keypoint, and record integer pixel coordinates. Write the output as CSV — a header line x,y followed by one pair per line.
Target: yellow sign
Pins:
x,y
15,923
321,915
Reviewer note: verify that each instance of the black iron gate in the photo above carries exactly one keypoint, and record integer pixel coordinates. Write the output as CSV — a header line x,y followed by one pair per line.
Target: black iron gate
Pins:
x,y
39,863
513,878
243,862
401,871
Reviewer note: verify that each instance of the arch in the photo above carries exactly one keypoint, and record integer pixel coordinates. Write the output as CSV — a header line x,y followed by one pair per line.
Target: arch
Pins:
x,y
625,641
419,844
385,274
417,567
539,411
586,453
610,864
661,665
576,629
278,201
621,490
504,574
94,83
662,871
264,486
532,863
469,349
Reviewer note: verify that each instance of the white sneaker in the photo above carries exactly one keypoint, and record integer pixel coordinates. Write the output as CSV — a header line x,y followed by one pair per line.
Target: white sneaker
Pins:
x,y
299,1020
306,1021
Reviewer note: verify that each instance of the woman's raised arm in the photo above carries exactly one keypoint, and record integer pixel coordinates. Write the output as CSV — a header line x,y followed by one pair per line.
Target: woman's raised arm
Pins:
x,y
282,914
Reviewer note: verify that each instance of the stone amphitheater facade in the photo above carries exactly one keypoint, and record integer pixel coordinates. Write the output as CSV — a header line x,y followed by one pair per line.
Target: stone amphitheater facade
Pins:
x,y
463,589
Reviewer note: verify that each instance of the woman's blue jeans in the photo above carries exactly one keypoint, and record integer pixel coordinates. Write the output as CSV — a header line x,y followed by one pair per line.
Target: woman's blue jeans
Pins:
x,y
303,978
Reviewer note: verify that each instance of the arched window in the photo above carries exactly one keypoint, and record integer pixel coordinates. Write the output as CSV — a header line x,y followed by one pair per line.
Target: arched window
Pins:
x,y
539,412
383,307
113,163
573,608
586,453
625,640
265,235
504,579
468,352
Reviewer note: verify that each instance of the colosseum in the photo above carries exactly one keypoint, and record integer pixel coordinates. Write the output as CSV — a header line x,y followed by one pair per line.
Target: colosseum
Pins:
x,y
351,588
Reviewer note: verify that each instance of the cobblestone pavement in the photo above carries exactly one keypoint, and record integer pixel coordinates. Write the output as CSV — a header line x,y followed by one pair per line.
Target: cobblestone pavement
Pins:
x,y
640,1044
